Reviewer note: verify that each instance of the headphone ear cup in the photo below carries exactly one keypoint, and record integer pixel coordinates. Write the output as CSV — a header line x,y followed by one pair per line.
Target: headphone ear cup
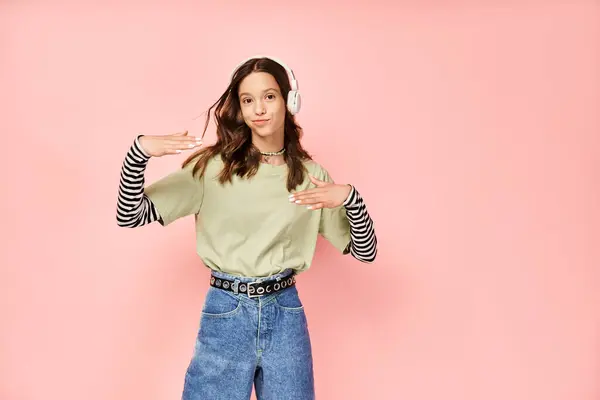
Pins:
x,y
294,101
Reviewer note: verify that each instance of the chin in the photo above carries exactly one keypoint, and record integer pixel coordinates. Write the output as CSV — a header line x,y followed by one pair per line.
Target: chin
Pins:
x,y
263,133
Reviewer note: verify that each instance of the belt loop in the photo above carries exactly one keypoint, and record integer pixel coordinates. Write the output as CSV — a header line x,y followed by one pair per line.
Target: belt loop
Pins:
x,y
235,285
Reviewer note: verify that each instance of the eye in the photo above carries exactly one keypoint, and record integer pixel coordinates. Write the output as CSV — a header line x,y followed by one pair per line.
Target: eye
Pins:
x,y
246,100
271,96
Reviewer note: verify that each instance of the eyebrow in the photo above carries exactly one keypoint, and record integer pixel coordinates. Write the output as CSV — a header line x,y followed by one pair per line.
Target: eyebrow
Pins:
x,y
264,91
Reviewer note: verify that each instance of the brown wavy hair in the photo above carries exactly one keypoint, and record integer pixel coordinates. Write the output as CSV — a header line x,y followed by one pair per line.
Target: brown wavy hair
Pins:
x,y
234,137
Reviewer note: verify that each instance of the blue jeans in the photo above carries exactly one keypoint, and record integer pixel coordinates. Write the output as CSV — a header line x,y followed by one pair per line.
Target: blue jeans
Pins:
x,y
243,341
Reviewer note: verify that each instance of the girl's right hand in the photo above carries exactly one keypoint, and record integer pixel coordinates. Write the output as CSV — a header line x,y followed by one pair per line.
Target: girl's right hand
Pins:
x,y
158,146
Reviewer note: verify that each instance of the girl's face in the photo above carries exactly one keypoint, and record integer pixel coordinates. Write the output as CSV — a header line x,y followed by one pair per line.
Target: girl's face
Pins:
x,y
263,107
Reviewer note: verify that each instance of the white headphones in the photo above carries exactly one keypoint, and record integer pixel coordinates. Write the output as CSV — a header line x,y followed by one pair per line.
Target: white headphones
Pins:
x,y
293,98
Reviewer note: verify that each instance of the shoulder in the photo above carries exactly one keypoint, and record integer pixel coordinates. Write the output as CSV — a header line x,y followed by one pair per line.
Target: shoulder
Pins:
x,y
212,166
317,170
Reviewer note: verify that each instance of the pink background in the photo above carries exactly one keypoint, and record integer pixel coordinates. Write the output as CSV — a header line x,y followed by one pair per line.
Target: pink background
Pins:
x,y
471,129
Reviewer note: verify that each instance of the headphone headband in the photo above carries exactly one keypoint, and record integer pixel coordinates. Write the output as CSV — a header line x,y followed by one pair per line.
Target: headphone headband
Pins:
x,y
290,72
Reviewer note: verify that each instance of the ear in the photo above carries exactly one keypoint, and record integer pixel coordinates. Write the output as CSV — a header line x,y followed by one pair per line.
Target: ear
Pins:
x,y
317,182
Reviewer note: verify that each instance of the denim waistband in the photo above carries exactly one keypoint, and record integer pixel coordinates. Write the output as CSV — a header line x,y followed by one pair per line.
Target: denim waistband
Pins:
x,y
246,279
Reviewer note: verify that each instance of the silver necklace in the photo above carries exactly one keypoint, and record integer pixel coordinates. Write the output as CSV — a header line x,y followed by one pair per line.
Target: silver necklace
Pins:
x,y
272,153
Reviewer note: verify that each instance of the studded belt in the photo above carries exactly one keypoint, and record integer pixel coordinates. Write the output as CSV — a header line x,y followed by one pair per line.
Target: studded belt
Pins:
x,y
254,289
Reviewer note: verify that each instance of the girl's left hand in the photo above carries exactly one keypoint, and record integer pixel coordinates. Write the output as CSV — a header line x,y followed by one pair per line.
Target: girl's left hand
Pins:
x,y
325,195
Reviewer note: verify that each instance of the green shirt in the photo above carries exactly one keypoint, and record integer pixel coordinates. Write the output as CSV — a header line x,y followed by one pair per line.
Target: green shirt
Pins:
x,y
249,227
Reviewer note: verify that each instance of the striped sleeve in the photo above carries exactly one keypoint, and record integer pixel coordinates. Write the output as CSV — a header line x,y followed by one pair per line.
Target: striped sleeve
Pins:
x,y
134,208
363,241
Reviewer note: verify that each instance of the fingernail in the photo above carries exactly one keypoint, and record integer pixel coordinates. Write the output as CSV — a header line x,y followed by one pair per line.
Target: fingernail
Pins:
x,y
297,201
191,146
309,207
178,151
292,199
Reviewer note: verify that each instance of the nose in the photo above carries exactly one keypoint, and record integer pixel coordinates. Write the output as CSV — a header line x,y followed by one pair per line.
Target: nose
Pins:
x,y
259,108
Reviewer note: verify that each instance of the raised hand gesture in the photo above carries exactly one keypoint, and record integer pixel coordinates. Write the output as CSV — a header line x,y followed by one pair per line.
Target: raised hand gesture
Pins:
x,y
158,146
325,195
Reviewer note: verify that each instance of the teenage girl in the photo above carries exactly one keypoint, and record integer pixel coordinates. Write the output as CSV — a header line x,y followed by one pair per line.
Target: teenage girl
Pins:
x,y
259,203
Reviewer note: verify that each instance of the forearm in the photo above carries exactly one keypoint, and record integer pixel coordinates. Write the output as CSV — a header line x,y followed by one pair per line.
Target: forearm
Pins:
x,y
134,209
363,244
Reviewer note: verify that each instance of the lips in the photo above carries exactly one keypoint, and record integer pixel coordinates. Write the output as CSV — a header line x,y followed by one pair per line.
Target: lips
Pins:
x,y
260,121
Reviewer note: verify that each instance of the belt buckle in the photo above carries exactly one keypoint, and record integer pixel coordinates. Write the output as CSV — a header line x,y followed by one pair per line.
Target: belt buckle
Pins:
x,y
249,285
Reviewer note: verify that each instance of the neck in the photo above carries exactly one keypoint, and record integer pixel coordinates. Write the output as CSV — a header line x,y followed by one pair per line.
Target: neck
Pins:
x,y
268,144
